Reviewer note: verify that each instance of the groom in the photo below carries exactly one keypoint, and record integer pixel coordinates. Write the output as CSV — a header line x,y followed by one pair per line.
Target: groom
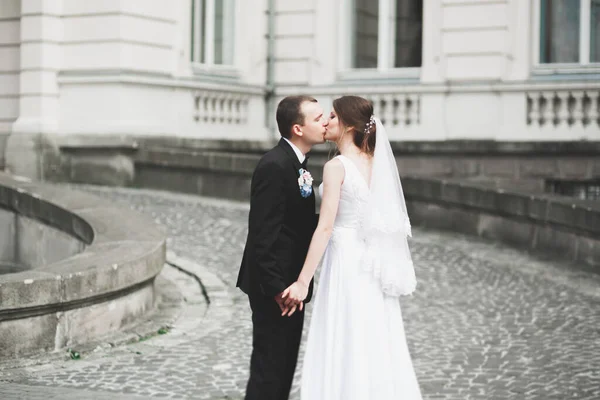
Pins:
x,y
281,223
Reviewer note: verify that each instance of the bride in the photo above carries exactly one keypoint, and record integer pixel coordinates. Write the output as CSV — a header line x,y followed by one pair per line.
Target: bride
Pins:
x,y
356,347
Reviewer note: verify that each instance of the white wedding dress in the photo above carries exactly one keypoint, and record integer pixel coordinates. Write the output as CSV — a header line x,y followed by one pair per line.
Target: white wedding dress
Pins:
x,y
356,348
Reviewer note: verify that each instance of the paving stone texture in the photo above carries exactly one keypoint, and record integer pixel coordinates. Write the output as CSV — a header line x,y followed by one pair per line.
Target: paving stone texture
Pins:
x,y
487,322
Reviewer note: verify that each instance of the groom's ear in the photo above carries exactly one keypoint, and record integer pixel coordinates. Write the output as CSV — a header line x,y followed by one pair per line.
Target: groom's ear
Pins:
x,y
297,130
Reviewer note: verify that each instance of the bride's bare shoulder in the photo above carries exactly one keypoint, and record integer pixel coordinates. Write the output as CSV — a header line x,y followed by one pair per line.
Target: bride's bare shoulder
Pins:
x,y
334,165
334,170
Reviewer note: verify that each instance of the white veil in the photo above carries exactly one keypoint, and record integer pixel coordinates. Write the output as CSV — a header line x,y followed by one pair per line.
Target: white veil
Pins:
x,y
385,225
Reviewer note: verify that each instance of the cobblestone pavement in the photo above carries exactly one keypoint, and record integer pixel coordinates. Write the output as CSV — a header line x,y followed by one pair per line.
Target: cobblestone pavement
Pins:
x,y
487,322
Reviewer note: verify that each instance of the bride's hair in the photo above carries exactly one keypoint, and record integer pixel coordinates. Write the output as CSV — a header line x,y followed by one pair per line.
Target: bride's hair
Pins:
x,y
356,114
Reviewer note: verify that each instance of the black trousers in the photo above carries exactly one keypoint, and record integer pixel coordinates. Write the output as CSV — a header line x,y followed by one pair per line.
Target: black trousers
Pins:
x,y
275,344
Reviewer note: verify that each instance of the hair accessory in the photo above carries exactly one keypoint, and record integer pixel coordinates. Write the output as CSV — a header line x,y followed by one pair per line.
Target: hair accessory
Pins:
x,y
369,124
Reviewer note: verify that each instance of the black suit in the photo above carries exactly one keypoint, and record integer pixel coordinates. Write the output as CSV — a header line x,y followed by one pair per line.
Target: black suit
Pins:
x,y
281,225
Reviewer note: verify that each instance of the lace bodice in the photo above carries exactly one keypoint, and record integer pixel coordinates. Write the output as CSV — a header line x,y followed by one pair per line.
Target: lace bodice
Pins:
x,y
354,193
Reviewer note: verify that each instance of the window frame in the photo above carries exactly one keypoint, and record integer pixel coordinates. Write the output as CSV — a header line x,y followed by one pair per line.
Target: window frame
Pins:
x,y
385,46
584,65
207,45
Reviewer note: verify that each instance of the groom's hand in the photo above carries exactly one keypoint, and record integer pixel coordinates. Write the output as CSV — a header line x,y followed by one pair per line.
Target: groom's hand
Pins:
x,y
280,302
287,309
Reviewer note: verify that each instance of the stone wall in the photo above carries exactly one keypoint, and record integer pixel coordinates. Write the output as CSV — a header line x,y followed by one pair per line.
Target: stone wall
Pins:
x,y
10,25
10,54
487,188
551,226
224,168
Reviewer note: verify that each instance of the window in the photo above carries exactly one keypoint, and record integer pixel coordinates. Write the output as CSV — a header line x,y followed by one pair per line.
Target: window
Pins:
x,y
595,31
212,32
569,32
386,33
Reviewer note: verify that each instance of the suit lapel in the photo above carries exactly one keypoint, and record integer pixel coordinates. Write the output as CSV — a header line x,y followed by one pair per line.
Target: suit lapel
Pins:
x,y
290,153
285,146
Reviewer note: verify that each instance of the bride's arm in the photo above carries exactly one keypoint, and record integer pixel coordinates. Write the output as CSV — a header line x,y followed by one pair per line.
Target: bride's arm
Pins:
x,y
333,176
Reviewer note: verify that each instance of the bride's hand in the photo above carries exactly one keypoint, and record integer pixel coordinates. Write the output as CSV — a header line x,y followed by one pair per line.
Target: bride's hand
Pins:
x,y
294,296
295,293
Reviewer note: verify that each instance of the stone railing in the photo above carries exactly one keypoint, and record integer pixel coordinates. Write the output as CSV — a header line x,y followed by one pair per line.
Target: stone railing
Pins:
x,y
564,107
398,110
216,107
536,110
155,104
400,107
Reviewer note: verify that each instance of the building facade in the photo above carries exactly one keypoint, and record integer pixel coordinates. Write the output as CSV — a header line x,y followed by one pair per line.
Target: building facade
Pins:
x,y
75,71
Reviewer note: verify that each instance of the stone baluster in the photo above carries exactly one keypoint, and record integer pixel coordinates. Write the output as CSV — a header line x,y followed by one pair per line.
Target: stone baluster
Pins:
x,y
417,109
207,101
244,109
380,107
205,106
196,106
201,109
376,105
218,108
229,109
547,113
594,112
412,109
388,112
578,115
235,109
383,110
534,108
563,108
222,110
401,111
212,108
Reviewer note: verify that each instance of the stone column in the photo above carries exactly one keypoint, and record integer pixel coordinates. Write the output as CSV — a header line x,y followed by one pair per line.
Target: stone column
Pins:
x,y
433,71
31,151
433,62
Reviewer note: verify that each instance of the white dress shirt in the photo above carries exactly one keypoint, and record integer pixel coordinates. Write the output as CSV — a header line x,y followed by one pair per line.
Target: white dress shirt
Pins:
x,y
300,155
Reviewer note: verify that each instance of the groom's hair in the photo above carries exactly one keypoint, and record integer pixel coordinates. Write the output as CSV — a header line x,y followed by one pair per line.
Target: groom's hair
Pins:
x,y
289,113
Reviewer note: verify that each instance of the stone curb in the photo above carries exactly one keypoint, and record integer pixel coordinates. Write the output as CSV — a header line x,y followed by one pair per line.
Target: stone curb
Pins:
x,y
181,311
168,308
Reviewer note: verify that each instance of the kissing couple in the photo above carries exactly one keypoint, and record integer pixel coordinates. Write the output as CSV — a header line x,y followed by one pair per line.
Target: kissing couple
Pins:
x,y
356,347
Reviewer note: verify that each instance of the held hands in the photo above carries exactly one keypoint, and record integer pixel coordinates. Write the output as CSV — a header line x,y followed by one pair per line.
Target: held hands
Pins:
x,y
287,305
293,298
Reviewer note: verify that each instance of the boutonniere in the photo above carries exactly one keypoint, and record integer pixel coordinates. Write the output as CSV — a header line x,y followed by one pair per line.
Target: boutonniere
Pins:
x,y
305,181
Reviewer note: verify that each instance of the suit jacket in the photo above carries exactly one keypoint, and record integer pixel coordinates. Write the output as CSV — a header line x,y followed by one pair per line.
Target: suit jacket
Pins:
x,y
280,226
